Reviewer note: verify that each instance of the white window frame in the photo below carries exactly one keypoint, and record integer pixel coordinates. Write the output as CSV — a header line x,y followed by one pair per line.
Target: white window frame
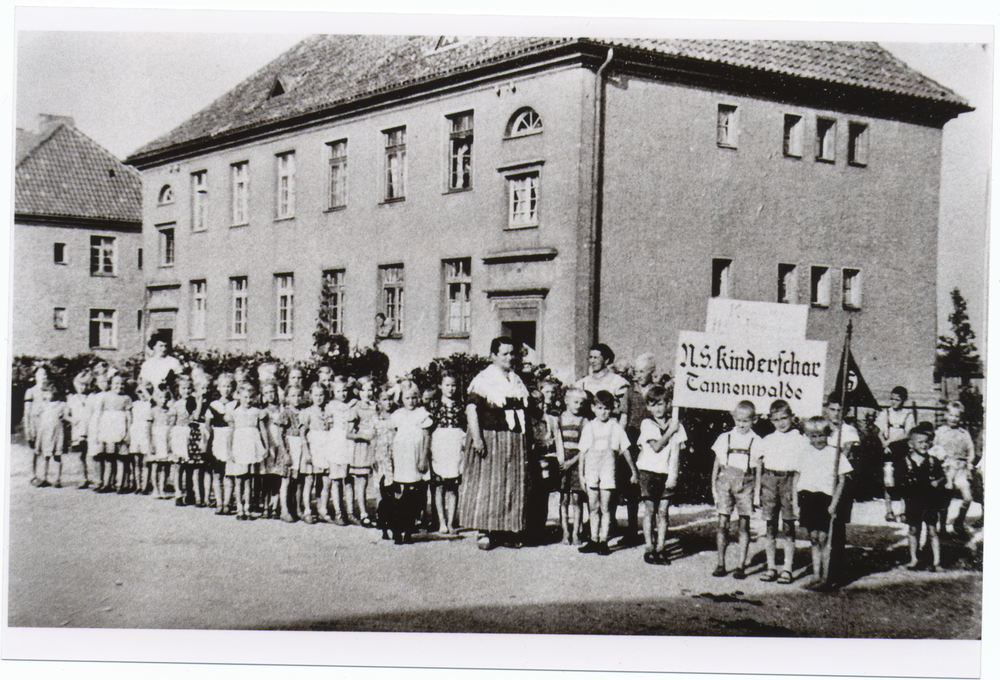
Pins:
x,y
199,200
851,286
166,195
199,310
284,306
857,143
337,174
525,122
819,286
238,306
394,173
826,139
392,280
460,140
60,318
285,186
722,277
334,280
102,248
788,283
792,138
107,331
167,236
524,199
240,174
727,126
457,296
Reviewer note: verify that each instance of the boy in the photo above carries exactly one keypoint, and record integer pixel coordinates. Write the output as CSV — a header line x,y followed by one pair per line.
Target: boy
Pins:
x,y
819,496
733,484
777,474
920,479
567,436
602,441
660,439
893,424
953,446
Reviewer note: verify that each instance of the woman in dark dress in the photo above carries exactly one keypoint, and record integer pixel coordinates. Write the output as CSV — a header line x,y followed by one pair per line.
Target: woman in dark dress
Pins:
x,y
494,477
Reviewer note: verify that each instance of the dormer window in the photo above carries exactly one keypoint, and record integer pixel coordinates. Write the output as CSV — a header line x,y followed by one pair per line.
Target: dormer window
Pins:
x,y
277,89
524,122
166,195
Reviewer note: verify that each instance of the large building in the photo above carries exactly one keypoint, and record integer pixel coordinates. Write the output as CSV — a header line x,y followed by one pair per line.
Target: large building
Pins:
x,y
77,283
555,190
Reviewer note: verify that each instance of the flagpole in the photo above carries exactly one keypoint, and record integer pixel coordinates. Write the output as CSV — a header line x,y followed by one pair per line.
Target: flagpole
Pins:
x,y
842,389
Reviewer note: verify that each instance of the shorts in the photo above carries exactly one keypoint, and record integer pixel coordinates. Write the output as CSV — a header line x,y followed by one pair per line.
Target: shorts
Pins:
x,y
919,510
814,510
734,491
599,470
777,495
446,483
359,470
569,481
653,486
337,470
623,473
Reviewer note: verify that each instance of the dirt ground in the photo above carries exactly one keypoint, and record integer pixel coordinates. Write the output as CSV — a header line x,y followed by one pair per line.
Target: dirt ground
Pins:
x,y
78,559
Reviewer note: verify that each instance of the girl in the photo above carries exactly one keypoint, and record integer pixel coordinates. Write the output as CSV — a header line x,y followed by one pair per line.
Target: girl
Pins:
x,y
338,413
159,455
317,440
32,401
115,411
79,417
382,444
198,443
222,433
362,432
50,415
278,462
292,489
446,452
410,460
140,436
180,435
94,422
250,425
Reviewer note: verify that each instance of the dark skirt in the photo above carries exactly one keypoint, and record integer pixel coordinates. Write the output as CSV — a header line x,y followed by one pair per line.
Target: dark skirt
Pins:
x,y
495,486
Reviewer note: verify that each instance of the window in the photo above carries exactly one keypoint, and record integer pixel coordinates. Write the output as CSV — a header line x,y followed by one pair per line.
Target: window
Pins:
x,y
238,318
138,319
826,139
331,302
725,133
284,289
460,152
819,288
523,193
102,329
458,289
395,163
286,185
721,278
199,309
793,136
166,246
857,144
338,173
392,297
199,201
102,256
241,193
524,122
852,288
59,318
788,284
139,260
59,253
166,195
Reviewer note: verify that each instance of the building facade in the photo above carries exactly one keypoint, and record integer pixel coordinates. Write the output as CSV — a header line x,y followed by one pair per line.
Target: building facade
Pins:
x,y
77,282
430,193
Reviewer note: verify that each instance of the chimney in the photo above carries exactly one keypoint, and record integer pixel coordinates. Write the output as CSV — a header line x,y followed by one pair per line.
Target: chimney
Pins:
x,y
47,122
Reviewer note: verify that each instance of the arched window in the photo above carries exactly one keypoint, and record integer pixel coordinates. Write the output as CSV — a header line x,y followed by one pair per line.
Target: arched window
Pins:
x,y
525,121
166,195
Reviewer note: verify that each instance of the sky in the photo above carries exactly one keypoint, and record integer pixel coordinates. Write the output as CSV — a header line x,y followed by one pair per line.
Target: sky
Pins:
x,y
126,88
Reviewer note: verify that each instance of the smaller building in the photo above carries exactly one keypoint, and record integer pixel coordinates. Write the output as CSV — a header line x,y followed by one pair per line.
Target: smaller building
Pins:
x,y
77,251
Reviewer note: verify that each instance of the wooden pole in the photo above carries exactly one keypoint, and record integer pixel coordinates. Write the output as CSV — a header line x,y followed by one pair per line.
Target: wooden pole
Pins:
x,y
842,387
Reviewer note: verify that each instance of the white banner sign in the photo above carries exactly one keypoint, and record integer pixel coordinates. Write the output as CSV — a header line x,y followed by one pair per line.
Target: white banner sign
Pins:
x,y
716,371
752,317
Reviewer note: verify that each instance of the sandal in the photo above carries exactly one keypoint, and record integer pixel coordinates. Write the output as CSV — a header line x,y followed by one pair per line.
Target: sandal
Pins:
x,y
785,577
739,574
662,558
650,557
770,576
719,571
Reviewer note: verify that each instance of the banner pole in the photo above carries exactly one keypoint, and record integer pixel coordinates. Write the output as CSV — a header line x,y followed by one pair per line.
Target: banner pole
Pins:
x,y
842,389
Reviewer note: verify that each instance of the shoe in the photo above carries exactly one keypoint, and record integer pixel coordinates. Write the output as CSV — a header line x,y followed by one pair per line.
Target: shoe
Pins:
x,y
719,571
84,484
123,491
35,481
309,519
367,523
57,485
398,540
913,566
650,557
890,517
43,484
590,547
603,549
769,576
484,543
662,558
240,516
287,518
739,574
351,519
934,568
180,502
324,518
338,520
98,488
785,577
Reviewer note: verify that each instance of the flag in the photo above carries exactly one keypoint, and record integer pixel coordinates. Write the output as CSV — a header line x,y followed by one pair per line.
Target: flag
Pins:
x,y
858,393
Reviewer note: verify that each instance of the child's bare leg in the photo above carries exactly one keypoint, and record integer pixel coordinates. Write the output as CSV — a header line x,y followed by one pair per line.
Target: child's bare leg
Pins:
x,y
606,519
594,501
564,504
932,538
324,498
307,495
361,494
348,489
439,502
59,471
770,534
721,540
450,508
45,467
662,523
648,521
824,543
336,486
744,540
788,545
816,553
283,499
83,464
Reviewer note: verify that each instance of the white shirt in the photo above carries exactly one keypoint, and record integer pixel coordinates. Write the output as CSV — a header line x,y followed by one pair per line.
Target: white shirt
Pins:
x,y
816,468
780,450
610,381
745,449
848,436
610,432
665,460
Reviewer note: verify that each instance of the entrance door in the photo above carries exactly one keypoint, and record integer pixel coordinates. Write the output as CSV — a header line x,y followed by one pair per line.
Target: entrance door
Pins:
x,y
521,332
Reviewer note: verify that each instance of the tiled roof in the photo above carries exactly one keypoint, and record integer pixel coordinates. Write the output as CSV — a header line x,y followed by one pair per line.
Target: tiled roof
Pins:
x,y
64,173
324,71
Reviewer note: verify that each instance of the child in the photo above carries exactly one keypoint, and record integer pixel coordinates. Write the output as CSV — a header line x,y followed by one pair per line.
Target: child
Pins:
x,y
277,462
201,430
410,460
447,441
51,416
893,424
115,412
94,449
819,496
180,435
382,443
32,401
313,425
774,488
79,417
338,416
921,480
159,456
292,493
660,440
601,441
222,434
953,446
361,432
571,495
140,436
250,426
733,484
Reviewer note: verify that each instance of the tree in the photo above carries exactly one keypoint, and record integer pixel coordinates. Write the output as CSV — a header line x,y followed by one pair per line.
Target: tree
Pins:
x,y
957,355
